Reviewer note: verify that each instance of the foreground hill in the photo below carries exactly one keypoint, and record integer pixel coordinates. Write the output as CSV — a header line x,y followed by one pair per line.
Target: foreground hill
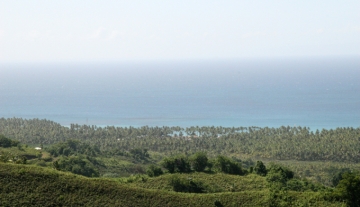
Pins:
x,y
23,185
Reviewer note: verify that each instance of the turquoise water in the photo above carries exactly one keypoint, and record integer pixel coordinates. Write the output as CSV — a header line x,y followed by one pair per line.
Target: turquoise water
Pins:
x,y
318,93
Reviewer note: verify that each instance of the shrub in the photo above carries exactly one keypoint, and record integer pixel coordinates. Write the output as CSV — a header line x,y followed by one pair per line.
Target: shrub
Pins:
x,y
140,154
277,175
338,176
73,147
176,164
6,142
186,186
225,165
199,161
77,165
348,189
154,171
260,168
169,164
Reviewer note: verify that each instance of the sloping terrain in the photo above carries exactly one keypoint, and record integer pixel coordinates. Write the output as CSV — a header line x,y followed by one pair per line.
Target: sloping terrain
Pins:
x,y
23,185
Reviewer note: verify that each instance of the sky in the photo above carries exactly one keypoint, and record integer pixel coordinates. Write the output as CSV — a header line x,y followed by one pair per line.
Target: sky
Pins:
x,y
138,30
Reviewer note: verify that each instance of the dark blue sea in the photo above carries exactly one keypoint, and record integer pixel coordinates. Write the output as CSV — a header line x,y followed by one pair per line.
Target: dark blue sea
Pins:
x,y
317,93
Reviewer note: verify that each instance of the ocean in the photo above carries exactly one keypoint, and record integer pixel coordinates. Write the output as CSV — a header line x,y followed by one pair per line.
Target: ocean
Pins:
x,y
312,92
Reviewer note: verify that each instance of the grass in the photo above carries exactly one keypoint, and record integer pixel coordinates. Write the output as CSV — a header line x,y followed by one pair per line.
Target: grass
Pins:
x,y
318,171
217,182
24,185
21,151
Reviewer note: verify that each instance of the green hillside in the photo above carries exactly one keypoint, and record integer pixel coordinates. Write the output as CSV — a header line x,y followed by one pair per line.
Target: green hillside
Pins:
x,y
160,166
216,182
23,185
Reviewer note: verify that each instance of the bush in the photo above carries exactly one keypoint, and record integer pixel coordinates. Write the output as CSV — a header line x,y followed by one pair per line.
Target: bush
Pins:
x,y
169,164
260,168
286,173
154,171
277,175
6,142
110,175
176,164
77,165
199,161
73,147
186,186
338,176
225,165
348,189
140,154
41,163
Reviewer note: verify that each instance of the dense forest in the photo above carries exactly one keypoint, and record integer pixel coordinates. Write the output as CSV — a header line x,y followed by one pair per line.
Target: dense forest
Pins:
x,y
222,181
283,143
324,162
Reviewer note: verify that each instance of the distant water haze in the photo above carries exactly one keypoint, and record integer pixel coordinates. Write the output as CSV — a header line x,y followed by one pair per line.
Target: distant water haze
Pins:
x,y
317,93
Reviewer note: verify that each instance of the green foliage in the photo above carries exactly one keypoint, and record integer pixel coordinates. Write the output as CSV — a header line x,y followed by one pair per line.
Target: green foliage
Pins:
x,y
182,164
72,147
77,165
285,173
6,142
199,161
281,182
348,189
277,176
186,185
339,176
140,154
226,165
169,164
12,158
283,143
5,157
178,163
23,185
21,160
116,152
56,165
302,185
39,155
214,182
279,199
217,203
41,163
260,168
154,171
292,146
210,165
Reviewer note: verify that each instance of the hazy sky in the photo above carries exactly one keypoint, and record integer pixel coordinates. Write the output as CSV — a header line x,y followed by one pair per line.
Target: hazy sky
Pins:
x,y
115,30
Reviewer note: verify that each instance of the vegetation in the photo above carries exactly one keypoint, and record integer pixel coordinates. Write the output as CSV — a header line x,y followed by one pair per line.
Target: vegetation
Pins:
x,y
178,164
154,171
186,185
260,168
23,185
199,161
6,142
212,182
72,147
226,165
348,188
76,164
211,166
284,143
